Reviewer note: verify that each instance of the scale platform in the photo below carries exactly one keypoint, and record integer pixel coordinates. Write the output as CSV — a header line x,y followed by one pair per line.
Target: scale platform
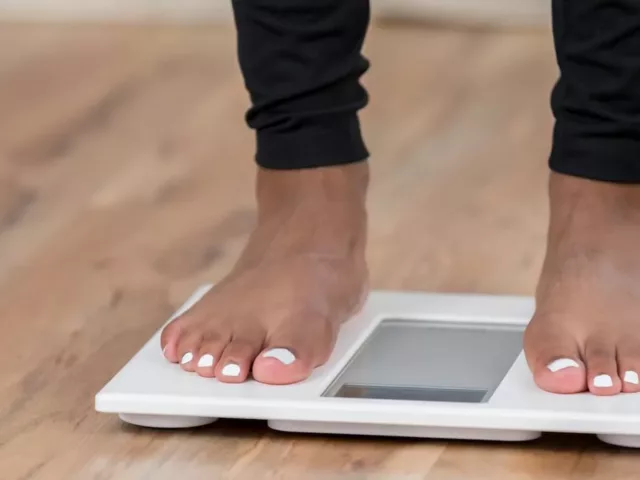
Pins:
x,y
409,364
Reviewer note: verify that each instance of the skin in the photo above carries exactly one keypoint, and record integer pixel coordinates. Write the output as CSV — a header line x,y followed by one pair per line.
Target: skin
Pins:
x,y
303,270
588,296
305,273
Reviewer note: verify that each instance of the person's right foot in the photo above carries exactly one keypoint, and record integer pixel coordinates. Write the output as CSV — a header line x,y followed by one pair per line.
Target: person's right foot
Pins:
x,y
302,274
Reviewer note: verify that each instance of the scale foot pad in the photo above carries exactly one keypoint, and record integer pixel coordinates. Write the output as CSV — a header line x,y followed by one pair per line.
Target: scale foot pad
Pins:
x,y
165,421
409,431
627,441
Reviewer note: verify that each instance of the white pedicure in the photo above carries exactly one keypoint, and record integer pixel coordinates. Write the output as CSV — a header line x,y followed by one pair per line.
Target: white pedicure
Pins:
x,y
206,361
186,358
602,381
562,363
231,370
631,377
282,354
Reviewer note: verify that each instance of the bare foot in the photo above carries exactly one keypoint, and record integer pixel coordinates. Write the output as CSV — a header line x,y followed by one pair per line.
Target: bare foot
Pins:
x,y
585,334
303,272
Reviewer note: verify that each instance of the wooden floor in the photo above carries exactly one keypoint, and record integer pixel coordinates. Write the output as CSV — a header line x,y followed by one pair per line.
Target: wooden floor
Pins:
x,y
126,180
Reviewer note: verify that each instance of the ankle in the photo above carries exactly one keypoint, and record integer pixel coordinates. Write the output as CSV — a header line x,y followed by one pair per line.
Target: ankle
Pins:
x,y
590,223
318,213
336,188
583,200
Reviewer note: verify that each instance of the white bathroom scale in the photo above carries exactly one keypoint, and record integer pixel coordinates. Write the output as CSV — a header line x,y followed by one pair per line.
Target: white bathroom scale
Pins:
x,y
423,365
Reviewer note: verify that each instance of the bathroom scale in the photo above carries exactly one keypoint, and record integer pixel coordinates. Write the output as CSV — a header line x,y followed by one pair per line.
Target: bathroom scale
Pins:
x,y
423,365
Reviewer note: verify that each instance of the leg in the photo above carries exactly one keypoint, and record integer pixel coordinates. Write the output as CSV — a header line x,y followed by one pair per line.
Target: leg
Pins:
x,y
585,334
303,272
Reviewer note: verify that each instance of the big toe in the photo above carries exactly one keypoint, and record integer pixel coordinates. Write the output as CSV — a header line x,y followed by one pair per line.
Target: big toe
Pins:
x,y
279,365
554,357
291,354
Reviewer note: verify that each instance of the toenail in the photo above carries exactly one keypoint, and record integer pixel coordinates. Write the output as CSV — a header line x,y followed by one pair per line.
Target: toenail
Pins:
x,y
602,381
562,363
631,377
205,361
231,370
282,354
186,358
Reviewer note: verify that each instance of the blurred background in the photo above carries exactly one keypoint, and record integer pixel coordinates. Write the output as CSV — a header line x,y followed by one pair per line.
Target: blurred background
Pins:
x,y
495,12
126,180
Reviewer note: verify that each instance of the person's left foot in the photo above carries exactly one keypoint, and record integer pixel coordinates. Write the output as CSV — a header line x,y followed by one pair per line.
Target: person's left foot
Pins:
x,y
585,334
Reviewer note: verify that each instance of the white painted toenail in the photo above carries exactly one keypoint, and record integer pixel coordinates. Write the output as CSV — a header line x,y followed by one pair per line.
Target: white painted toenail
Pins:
x,y
186,358
631,377
562,363
231,370
602,381
282,354
205,361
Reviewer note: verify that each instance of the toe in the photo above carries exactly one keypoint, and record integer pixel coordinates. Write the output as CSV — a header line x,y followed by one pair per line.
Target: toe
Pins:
x,y
553,357
187,348
602,366
281,364
235,362
630,379
208,356
291,355
169,339
629,365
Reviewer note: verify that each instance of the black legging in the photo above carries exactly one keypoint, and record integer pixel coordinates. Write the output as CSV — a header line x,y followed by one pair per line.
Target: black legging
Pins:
x,y
302,63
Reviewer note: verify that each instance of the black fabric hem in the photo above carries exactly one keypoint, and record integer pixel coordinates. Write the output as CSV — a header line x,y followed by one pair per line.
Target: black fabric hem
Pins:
x,y
606,160
332,143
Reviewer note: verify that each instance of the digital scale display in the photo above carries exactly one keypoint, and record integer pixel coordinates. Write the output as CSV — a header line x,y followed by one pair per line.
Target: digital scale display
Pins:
x,y
420,394
430,361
